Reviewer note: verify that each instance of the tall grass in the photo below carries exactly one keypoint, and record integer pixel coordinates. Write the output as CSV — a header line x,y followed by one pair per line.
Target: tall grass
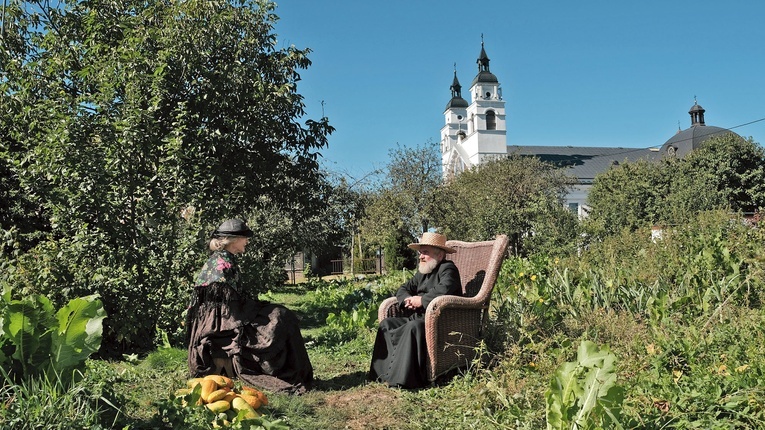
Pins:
x,y
671,310
48,403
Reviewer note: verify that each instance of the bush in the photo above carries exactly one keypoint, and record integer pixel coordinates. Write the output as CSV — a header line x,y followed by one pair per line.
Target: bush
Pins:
x,y
35,340
669,309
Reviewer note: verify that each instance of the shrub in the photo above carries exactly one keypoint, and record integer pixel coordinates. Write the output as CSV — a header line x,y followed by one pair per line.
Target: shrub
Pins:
x,y
36,341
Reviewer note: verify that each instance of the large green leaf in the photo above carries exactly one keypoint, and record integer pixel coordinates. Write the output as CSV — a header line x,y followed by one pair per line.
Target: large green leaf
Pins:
x,y
80,326
599,379
584,394
26,325
562,395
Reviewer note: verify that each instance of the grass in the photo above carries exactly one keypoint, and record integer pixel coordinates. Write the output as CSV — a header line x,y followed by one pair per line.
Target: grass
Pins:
x,y
680,366
341,398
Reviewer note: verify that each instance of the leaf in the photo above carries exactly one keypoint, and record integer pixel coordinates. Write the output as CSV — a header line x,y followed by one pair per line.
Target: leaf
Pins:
x,y
589,355
80,325
572,400
26,325
561,394
597,382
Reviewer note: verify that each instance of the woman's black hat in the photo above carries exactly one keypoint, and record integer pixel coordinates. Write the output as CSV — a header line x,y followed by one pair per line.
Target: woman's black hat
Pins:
x,y
233,227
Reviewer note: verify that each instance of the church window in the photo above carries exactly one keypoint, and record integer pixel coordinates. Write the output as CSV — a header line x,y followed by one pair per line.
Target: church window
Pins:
x,y
491,120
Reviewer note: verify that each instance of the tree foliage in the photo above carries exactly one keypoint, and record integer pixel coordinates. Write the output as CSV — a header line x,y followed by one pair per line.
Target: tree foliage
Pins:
x,y
413,175
629,195
137,126
726,172
402,207
518,196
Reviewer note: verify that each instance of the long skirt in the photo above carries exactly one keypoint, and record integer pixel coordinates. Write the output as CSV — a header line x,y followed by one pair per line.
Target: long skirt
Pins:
x,y
400,354
260,341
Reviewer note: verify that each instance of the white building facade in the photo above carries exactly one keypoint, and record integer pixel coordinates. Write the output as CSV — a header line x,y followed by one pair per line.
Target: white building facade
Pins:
x,y
477,131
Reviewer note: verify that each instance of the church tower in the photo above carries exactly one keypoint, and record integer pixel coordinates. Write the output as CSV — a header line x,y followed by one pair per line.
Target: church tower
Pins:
x,y
477,132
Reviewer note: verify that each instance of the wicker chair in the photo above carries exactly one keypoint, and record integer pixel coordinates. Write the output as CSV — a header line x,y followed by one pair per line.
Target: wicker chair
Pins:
x,y
453,324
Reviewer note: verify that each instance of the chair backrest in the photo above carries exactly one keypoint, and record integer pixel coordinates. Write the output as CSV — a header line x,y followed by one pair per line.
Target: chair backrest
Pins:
x,y
479,264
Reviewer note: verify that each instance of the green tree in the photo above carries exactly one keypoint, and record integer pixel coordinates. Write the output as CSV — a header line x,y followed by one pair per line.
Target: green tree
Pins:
x,y
402,207
413,175
518,196
628,195
397,254
139,126
345,207
726,172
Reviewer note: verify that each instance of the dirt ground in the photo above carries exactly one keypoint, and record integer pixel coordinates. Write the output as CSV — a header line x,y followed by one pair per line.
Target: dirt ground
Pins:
x,y
369,407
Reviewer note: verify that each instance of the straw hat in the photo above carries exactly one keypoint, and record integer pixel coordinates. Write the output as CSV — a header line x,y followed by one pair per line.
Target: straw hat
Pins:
x,y
433,239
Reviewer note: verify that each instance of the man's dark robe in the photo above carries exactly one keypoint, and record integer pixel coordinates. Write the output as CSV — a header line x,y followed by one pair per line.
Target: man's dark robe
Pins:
x,y
400,354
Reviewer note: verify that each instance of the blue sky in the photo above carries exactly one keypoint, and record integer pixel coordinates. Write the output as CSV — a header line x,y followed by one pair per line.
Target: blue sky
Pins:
x,y
584,73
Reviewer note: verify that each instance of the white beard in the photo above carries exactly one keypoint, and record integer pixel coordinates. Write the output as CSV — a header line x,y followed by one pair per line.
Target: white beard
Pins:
x,y
427,266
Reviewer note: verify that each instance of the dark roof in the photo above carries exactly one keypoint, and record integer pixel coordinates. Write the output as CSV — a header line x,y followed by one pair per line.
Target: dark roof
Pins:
x,y
691,138
457,102
484,76
584,163
482,57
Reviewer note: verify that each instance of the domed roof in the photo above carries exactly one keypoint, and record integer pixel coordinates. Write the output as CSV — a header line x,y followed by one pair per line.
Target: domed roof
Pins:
x,y
689,139
484,76
457,102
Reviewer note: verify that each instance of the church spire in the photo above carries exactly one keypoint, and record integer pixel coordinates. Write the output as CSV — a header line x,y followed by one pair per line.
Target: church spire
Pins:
x,y
483,59
484,75
456,87
456,101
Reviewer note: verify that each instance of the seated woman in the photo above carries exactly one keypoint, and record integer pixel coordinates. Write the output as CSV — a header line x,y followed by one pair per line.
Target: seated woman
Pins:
x,y
233,334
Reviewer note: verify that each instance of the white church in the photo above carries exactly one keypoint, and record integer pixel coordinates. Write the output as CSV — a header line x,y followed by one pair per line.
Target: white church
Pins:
x,y
476,132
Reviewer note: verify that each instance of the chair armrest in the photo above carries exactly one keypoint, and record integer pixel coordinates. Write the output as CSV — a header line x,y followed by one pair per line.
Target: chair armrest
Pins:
x,y
388,308
441,303
445,313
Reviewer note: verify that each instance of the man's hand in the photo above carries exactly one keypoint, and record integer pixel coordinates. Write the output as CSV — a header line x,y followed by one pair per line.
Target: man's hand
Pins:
x,y
413,303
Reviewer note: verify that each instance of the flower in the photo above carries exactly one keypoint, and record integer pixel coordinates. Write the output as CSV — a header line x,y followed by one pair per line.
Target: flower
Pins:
x,y
223,264
677,374
533,277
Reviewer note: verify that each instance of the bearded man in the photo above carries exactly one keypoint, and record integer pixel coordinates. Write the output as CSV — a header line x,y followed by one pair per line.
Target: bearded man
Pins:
x,y
400,355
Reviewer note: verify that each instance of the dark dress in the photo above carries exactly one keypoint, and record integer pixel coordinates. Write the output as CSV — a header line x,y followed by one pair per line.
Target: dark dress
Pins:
x,y
262,340
400,354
